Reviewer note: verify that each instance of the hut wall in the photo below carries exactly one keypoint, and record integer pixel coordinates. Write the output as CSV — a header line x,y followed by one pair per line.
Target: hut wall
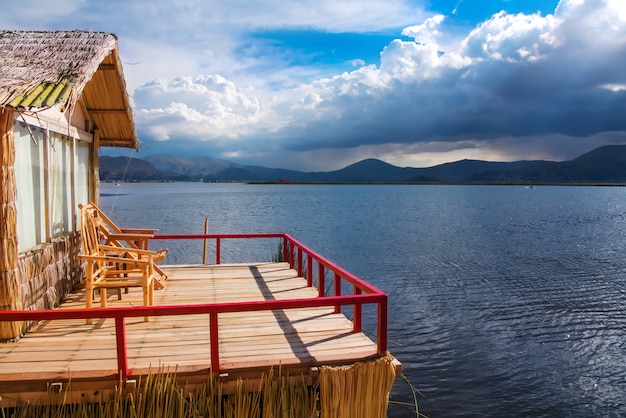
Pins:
x,y
41,277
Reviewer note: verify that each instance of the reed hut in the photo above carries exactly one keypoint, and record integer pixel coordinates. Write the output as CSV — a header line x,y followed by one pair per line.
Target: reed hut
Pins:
x,y
62,97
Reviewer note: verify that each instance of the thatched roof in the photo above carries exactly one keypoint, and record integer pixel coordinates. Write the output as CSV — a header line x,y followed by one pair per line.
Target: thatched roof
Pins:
x,y
42,69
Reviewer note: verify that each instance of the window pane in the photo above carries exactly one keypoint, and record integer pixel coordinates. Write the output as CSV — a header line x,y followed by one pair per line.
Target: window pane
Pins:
x,y
82,173
29,181
60,184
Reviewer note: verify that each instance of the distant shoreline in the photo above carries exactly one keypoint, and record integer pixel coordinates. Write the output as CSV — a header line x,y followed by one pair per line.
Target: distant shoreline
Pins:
x,y
403,183
434,183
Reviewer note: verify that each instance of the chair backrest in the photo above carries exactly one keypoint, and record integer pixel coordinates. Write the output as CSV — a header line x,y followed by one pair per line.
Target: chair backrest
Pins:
x,y
89,229
105,225
105,222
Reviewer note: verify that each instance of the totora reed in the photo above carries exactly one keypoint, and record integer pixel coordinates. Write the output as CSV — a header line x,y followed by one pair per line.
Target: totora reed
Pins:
x,y
358,390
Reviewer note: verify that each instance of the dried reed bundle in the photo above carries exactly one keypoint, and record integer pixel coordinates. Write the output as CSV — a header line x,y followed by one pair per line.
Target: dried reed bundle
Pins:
x,y
359,390
32,290
208,398
8,256
243,403
25,268
7,146
9,289
8,213
11,330
9,277
9,190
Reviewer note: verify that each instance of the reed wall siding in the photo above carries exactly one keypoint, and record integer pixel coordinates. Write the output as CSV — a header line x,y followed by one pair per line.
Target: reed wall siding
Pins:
x,y
9,281
47,275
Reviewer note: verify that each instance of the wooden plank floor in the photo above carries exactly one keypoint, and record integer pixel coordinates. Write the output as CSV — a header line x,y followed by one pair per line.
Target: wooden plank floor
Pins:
x,y
296,338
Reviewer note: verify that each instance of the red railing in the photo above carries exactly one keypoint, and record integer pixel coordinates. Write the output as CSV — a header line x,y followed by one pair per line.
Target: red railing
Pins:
x,y
293,252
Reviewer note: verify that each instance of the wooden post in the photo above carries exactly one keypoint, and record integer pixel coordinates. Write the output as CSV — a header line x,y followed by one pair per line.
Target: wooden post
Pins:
x,y
382,326
309,271
9,279
320,280
94,176
357,322
337,284
214,342
73,203
299,262
206,231
120,342
46,141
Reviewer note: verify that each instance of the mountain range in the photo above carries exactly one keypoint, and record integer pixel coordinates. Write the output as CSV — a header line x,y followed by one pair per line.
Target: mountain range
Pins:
x,y
604,165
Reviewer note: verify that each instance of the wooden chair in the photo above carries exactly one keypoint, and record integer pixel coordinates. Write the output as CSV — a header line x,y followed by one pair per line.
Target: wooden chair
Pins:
x,y
110,266
134,238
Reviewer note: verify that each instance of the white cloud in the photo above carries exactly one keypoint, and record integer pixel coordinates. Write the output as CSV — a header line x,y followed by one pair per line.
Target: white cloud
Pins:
x,y
357,63
511,37
36,14
203,108
344,16
192,19
614,87
427,32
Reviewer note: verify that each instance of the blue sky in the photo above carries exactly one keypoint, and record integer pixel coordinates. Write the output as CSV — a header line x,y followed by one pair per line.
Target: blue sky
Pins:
x,y
320,84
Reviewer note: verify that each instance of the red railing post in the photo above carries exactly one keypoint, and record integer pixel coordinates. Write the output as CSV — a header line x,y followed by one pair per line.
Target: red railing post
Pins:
x,y
337,291
320,280
382,326
309,271
218,251
120,342
285,249
292,258
214,341
358,312
299,262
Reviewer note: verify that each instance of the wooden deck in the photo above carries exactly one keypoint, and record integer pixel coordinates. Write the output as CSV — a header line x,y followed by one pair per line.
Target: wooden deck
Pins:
x,y
297,340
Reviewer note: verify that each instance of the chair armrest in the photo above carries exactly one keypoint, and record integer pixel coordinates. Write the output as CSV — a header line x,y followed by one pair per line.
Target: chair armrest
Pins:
x,y
107,258
130,236
148,231
115,248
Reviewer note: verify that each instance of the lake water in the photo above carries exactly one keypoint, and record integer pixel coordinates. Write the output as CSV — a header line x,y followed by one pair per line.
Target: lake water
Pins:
x,y
503,301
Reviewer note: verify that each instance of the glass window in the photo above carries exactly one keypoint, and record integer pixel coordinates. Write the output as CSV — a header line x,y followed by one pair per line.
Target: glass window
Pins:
x,y
29,143
83,151
59,174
